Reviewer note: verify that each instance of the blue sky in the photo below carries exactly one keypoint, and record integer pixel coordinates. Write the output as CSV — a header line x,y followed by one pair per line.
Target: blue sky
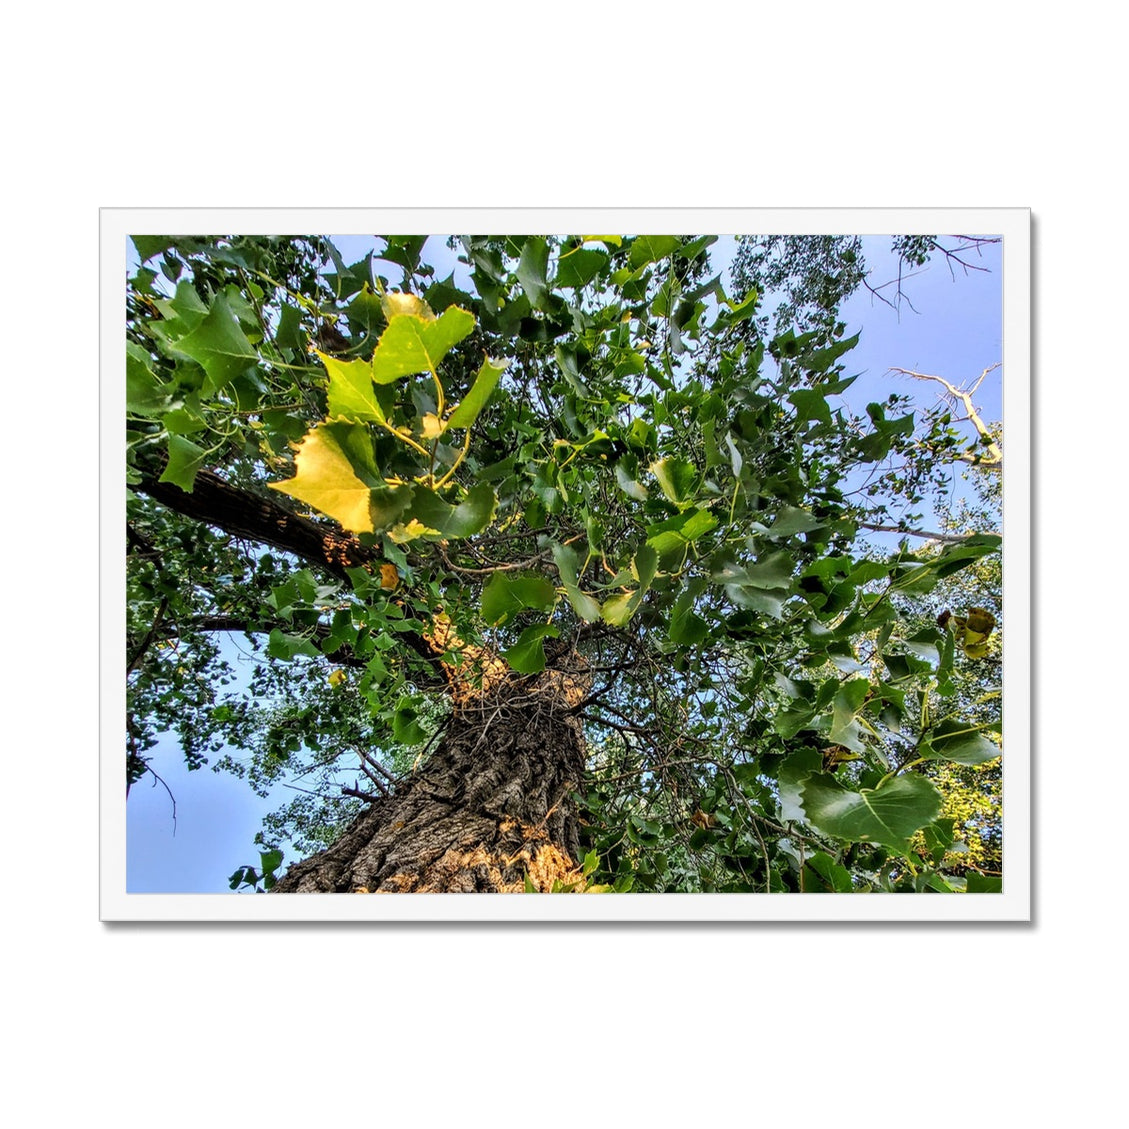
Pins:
x,y
955,333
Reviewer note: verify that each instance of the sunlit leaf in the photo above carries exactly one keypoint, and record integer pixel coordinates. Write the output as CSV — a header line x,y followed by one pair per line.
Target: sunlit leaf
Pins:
x,y
326,477
677,477
414,344
479,395
351,394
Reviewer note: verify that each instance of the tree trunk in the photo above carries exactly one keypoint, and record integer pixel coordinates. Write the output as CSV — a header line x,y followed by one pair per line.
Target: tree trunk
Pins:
x,y
489,812
491,808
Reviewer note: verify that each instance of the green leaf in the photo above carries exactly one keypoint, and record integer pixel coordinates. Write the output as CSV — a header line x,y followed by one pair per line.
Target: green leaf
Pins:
x,y
619,609
351,394
289,333
983,884
888,815
531,270
960,742
790,521
327,475
150,245
270,861
185,459
644,566
527,655
145,393
567,362
415,343
820,360
687,628
793,773
186,307
404,251
464,520
834,877
773,571
650,248
938,838
478,396
218,345
406,728
846,704
282,645
567,564
506,594
387,505
811,403
180,421
677,477
578,267
628,484
670,538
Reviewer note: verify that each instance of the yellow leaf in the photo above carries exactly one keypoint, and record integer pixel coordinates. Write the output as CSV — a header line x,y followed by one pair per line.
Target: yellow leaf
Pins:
x,y
326,480
389,577
336,677
432,426
394,304
979,624
402,534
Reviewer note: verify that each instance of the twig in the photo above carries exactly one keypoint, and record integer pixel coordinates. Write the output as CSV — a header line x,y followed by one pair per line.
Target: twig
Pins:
x,y
368,796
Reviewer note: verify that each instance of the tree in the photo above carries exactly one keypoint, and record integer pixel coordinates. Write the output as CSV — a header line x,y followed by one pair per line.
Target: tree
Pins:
x,y
812,275
559,561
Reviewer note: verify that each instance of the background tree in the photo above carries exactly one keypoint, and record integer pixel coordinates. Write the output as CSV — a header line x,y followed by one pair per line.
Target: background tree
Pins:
x,y
811,276
562,565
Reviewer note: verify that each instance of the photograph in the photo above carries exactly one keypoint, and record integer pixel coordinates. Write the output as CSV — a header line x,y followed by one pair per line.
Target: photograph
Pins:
x,y
668,568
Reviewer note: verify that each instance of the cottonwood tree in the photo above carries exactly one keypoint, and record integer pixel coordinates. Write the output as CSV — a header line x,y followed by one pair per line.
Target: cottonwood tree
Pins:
x,y
557,563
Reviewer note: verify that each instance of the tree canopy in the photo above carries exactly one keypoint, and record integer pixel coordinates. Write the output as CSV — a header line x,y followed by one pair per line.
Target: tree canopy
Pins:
x,y
555,569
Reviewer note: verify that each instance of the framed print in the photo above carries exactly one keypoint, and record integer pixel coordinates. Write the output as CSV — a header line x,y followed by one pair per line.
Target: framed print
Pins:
x,y
525,574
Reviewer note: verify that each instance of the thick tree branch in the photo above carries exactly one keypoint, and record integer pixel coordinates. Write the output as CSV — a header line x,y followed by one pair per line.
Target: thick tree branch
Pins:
x,y
343,656
242,513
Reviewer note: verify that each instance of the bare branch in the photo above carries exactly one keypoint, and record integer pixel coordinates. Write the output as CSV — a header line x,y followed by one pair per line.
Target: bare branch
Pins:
x,y
951,538
994,456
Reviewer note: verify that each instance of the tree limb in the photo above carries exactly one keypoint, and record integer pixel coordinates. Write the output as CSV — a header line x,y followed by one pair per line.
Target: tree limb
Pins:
x,y
242,513
994,457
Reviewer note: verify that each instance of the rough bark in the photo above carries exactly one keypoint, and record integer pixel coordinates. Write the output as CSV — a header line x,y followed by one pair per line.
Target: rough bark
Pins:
x,y
489,811
243,514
